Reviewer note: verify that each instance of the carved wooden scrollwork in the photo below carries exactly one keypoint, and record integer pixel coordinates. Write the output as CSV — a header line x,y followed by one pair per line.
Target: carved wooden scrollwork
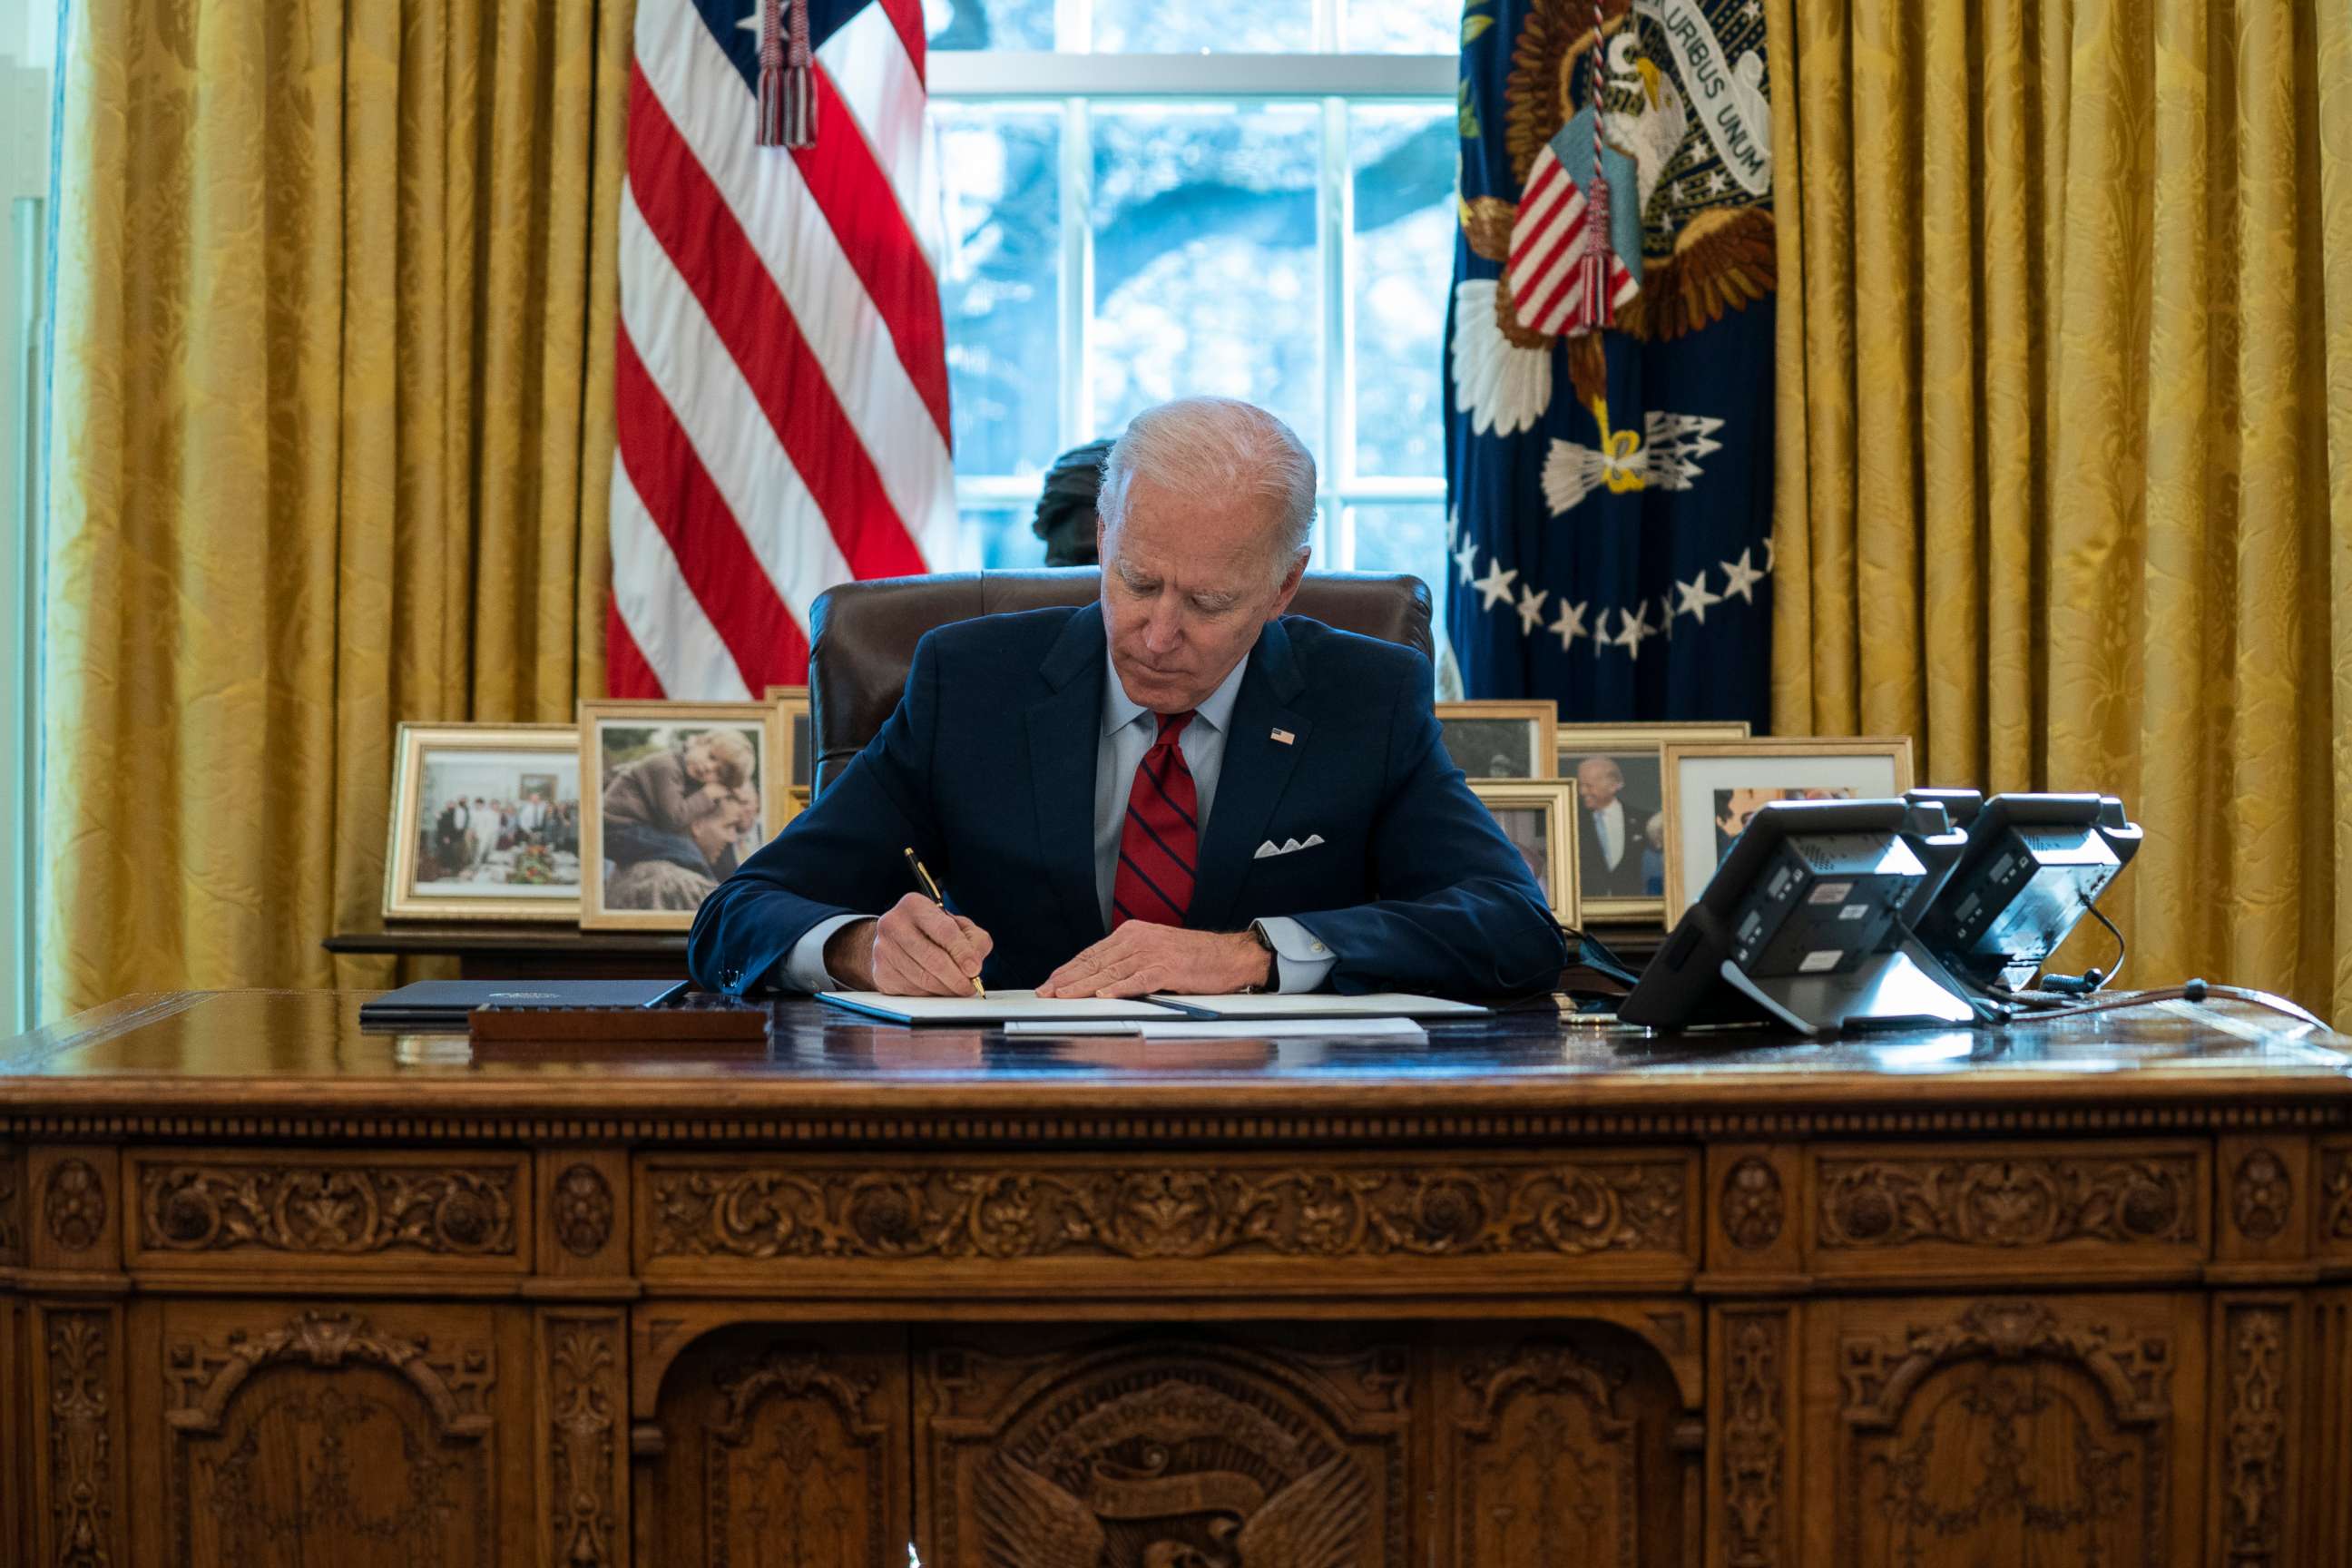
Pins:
x,y
12,1225
2009,1203
583,1210
797,1455
1755,1437
2336,1189
455,1384
1189,1212
1545,1459
2137,1376
2253,1450
1952,1430
1753,1207
82,1442
74,1206
584,1398
345,1210
1147,1460
2261,1193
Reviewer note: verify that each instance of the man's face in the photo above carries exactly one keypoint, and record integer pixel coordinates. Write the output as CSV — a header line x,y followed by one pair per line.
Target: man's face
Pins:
x,y
1187,583
1598,782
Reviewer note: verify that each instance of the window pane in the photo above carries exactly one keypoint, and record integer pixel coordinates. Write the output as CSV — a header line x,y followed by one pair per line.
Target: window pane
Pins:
x,y
1405,536
1205,273
1400,26
1213,26
1000,171
998,536
989,23
1400,261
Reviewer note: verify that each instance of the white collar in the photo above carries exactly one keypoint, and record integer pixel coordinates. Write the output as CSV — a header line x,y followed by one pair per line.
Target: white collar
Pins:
x,y
1216,710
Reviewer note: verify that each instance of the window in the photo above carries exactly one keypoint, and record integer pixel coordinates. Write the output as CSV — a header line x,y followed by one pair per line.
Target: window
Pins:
x,y
1251,197
28,46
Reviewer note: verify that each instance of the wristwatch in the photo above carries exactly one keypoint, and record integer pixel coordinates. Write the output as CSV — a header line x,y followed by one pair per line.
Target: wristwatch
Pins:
x,y
1272,963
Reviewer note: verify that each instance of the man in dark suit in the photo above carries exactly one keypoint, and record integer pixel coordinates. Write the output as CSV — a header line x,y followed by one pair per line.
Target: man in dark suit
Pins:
x,y
1609,832
1179,788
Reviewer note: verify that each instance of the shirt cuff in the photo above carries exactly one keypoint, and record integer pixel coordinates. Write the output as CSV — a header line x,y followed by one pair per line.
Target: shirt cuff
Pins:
x,y
1301,961
804,967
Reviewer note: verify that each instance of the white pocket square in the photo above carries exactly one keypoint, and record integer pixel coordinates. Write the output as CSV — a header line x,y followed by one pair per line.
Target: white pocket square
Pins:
x,y
1268,849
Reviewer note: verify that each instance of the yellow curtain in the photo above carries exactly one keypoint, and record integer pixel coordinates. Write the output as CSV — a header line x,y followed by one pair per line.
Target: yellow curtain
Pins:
x,y
2065,413
330,446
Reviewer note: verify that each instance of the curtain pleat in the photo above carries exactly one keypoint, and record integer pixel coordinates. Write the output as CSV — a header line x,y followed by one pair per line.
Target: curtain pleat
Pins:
x,y
2074,507
331,439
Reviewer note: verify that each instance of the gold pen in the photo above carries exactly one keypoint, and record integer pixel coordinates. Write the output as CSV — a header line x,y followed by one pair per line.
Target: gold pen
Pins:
x,y
931,889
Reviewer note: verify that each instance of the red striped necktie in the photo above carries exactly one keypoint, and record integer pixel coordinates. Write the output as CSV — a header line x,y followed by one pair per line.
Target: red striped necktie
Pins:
x,y
1160,843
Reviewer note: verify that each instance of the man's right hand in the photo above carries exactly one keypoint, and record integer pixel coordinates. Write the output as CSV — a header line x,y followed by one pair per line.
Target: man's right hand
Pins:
x,y
917,949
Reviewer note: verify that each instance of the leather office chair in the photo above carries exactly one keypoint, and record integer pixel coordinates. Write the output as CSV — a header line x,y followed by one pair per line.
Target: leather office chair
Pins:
x,y
864,634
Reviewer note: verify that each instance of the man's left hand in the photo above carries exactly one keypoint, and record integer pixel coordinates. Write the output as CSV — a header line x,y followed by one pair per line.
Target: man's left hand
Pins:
x,y
1139,958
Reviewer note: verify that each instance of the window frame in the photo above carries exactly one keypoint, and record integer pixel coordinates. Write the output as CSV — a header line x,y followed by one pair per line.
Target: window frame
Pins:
x,y
1332,80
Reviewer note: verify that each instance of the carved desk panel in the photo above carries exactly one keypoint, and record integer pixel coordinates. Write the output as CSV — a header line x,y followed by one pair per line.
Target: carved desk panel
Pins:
x,y
274,1289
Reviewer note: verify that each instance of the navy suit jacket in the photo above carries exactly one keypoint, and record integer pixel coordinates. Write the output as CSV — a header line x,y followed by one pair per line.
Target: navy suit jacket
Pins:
x,y
986,768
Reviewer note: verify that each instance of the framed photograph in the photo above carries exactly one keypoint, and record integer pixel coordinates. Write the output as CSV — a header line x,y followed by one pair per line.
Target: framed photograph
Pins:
x,y
1538,815
1713,789
678,794
485,824
1500,740
1621,811
799,764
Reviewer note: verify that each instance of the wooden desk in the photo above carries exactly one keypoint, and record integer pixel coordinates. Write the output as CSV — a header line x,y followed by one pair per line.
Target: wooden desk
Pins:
x,y
273,1289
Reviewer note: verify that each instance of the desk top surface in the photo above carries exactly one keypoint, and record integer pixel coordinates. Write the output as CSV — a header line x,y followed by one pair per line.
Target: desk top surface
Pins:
x,y
287,1053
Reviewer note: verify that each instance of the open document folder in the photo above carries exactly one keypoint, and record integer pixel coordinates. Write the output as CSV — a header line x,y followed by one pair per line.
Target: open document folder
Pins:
x,y
1028,1008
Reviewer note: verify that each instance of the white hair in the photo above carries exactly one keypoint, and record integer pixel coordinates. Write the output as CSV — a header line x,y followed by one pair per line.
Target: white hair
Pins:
x,y
1217,446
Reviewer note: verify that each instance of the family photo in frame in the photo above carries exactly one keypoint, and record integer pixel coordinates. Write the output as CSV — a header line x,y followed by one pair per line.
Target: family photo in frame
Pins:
x,y
1621,811
678,795
1713,788
484,823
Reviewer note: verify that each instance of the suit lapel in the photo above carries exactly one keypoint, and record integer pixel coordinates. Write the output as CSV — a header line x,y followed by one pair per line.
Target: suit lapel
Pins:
x,y
1064,734
1257,770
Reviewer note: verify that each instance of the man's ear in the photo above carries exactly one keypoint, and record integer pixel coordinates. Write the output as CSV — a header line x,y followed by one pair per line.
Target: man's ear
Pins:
x,y
1289,589
1098,539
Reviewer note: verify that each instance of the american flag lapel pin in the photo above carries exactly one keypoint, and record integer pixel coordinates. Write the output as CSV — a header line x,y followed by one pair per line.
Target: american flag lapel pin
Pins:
x,y
1283,737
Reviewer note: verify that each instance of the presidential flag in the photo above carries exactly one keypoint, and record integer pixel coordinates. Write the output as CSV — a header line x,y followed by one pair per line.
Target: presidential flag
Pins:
x,y
781,380
1608,359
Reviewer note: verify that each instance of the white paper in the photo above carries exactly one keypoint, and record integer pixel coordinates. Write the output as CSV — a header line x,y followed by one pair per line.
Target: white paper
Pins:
x,y
1324,1005
997,1008
1226,1028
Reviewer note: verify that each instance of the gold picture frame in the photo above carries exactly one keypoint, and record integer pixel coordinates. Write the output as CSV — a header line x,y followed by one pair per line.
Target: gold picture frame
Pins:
x,y
1555,867
671,809
1494,741
1866,767
1637,747
421,847
800,745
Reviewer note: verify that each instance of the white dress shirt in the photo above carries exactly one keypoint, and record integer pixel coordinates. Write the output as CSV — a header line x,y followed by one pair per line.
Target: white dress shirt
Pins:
x,y
1609,822
1301,961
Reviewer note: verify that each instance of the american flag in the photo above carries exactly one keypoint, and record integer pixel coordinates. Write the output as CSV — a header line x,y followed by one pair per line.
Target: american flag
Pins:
x,y
1558,256
781,380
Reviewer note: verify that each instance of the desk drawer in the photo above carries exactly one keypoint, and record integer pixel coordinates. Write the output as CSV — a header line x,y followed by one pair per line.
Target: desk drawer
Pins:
x,y
1912,1212
1215,1224
267,1210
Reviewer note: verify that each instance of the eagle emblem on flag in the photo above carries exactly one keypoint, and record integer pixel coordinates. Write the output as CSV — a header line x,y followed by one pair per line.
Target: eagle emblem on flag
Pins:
x,y
1608,389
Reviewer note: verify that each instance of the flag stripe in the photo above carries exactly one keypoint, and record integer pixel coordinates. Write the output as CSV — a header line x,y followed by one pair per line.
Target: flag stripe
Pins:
x,y
781,380
666,622
868,65
626,673
804,259
680,66
717,262
703,386
713,556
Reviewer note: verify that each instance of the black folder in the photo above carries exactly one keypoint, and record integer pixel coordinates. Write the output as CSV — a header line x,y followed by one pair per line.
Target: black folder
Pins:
x,y
445,1004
